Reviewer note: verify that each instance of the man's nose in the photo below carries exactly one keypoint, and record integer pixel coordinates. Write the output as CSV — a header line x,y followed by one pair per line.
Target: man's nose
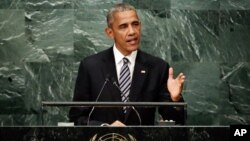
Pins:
x,y
131,30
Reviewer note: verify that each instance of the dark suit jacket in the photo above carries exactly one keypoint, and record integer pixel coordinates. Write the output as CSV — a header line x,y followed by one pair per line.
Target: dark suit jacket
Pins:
x,y
146,87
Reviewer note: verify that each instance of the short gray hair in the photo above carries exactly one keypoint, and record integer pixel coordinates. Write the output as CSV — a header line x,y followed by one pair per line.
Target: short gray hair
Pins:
x,y
121,7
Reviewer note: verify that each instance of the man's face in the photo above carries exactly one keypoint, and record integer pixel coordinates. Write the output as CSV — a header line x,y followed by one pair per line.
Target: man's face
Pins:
x,y
125,30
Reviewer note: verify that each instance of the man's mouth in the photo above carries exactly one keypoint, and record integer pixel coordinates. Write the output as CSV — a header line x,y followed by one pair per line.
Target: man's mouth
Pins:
x,y
132,41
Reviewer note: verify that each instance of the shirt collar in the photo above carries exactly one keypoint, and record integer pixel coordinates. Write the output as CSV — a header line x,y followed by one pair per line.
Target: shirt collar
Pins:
x,y
119,56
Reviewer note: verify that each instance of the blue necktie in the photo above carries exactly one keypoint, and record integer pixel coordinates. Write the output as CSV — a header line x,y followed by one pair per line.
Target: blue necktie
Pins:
x,y
125,81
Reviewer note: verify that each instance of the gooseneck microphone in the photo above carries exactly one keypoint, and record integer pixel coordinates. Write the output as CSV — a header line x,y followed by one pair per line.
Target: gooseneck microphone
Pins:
x,y
98,96
116,85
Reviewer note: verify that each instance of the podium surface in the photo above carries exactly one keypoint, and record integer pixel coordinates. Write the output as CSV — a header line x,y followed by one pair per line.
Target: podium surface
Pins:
x,y
133,133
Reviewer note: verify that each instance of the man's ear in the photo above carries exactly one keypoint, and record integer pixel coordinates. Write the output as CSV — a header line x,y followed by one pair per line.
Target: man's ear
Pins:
x,y
109,32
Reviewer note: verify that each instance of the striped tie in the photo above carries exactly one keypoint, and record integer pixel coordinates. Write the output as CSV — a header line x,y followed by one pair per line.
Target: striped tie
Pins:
x,y
125,81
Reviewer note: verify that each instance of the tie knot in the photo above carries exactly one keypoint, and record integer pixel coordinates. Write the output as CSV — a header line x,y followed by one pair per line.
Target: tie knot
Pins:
x,y
125,60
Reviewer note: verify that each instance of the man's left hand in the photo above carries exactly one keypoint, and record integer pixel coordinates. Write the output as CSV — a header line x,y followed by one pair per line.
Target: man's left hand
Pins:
x,y
175,86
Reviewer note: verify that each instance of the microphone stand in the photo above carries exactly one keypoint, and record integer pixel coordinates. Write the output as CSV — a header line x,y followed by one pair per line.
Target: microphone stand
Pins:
x,y
97,98
133,107
137,113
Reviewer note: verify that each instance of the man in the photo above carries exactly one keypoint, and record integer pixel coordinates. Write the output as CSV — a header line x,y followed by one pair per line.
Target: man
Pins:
x,y
140,78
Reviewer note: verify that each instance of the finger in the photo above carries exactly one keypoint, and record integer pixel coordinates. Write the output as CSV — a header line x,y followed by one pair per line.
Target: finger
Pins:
x,y
171,73
181,77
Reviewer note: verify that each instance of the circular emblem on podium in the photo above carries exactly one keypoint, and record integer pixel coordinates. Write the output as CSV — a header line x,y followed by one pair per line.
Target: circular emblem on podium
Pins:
x,y
113,137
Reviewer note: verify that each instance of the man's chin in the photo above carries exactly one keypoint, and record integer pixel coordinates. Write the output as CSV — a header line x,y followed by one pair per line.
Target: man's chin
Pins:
x,y
133,47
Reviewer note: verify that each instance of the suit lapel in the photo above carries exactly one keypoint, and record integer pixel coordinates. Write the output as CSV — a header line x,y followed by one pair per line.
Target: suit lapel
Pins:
x,y
108,65
139,77
109,70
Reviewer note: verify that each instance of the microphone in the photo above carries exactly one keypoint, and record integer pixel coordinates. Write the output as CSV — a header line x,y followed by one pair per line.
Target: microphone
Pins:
x,y
98,96
116,85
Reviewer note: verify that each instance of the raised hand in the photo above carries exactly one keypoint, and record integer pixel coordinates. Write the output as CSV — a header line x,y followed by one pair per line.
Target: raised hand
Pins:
x,y
175,86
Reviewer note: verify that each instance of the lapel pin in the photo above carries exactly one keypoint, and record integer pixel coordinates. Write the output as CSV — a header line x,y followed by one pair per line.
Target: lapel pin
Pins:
x,y
143,71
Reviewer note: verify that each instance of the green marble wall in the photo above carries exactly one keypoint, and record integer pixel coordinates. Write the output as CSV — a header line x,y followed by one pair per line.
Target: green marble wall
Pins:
x,y
42,42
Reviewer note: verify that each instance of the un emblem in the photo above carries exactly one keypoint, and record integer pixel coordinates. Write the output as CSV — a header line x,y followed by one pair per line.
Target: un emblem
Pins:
x,y
113,137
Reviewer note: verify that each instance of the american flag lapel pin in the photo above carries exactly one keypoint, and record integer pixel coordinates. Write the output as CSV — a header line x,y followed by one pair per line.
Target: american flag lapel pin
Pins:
x,y
143,71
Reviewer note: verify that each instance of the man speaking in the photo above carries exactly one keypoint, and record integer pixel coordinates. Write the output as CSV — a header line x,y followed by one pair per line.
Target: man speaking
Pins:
x,y
124,73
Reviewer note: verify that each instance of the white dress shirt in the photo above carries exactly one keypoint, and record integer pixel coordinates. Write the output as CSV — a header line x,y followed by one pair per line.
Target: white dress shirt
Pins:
x,y
119,62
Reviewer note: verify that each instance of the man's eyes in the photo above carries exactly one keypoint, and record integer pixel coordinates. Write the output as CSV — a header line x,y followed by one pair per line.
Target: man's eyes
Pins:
x,y
123,26
134,24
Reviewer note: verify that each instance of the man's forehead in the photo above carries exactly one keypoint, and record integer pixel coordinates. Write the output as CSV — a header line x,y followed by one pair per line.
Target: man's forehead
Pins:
x,y
126,16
